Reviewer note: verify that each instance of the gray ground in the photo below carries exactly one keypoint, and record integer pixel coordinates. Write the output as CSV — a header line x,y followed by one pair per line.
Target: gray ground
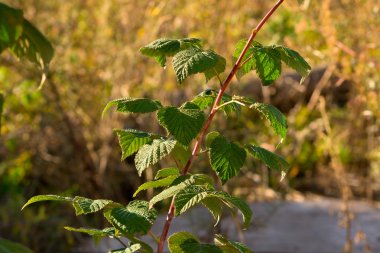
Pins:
x,y
284,227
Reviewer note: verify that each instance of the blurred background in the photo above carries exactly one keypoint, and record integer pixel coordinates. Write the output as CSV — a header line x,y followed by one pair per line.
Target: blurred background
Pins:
x,y
54,140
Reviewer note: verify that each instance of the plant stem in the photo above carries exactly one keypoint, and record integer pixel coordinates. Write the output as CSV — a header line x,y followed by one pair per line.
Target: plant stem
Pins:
x,y
213,111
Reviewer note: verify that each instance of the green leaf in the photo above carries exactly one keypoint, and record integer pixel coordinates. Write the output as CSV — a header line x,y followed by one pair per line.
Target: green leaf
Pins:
x,y
238,203
145,248
230,246
214,205
184,242
7,246
135,218
181,155
11,26
189,197
39,198
85,206
267,64
184,123
275,117
33,45
150,154
226,158
219,67
131,141
155,184
270,159
294,60
180,183
249,62
93,231
195,60
167,172
210,137
161,48
133,105
130,249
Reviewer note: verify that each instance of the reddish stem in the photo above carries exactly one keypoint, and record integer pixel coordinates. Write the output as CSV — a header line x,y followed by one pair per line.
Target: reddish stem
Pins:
x,y
213,111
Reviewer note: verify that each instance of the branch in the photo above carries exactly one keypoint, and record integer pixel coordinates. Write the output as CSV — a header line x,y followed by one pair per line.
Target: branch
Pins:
x,y
214,109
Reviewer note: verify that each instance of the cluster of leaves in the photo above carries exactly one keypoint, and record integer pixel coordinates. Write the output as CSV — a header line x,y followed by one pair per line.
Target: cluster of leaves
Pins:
x,y
183,124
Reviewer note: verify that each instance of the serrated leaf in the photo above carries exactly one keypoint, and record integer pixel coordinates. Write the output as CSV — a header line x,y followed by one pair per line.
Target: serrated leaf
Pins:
x,y
270,159
194,60
189,197
167,172
155,184
161,48
130,249
49,197
267,64
238,203
145,248
136,217
249,62
180,183
219,67
11,26
230,246
152,153
7,246
133,105
294,60
184,242
275,117
226,158
131,141
206,99
214,206
184,123
85,206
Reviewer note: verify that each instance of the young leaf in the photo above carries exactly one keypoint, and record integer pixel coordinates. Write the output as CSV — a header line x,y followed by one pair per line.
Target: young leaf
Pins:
x,y
206,99
275,117
219,67
180,183
270,159
181,155
155,184
230,246
145,248
150,154
85,206
135,218
226,158
11,25
238,203
130,249
294,60
195,60
189,197
161,48
184,242
133,105
39,198
131,141
167,172
184,123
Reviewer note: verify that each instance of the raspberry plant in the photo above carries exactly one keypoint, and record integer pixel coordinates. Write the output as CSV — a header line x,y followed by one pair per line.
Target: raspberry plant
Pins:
x,y
184,125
